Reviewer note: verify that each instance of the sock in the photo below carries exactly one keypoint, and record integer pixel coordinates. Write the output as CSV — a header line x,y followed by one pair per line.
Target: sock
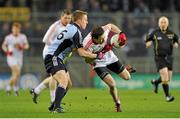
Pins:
x,y
8,88
59,95
52,95
166,89
66,91
158,80
15,88
39,88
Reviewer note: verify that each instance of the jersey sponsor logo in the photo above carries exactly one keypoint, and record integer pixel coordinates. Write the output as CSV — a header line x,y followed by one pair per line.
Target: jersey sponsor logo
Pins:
x,y
170,36
159,38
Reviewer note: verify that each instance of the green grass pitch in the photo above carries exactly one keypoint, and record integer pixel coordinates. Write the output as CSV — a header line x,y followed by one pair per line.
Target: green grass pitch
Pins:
x,y
93,103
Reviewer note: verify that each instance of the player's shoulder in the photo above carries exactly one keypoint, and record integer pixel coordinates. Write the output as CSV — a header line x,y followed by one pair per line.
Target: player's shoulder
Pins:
x,y
170,31
22,35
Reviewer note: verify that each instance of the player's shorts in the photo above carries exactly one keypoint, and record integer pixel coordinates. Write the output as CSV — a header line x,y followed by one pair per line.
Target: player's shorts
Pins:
x,y
115,67
164,61
53,64
14,61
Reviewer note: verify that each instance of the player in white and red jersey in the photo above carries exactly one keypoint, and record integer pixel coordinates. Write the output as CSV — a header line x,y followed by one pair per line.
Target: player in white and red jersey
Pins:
x,y
97,41
14,44
51,34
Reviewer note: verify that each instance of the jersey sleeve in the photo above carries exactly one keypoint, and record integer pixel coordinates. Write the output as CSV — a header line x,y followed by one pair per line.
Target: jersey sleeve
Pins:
x,y
77,40
49,34
175,39
5,42
25,41
149,36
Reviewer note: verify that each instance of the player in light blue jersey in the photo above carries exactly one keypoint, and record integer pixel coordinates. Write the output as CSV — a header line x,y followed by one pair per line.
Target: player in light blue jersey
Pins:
x,y
51,34
58,50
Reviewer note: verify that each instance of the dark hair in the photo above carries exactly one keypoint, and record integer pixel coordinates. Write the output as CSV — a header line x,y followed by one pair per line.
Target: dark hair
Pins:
x,y
65,11
78,15
97,32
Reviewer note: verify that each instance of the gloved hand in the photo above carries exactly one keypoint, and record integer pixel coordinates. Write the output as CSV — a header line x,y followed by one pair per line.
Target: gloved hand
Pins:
x,y
100,55
19,46
107,48
122,39
9,53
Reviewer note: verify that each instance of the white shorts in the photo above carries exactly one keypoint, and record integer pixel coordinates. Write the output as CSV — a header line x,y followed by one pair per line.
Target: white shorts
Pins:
x,y
108,58
12,61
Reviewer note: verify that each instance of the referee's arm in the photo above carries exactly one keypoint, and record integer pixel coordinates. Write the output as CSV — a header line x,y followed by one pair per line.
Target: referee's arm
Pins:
x,y
148,40
175,41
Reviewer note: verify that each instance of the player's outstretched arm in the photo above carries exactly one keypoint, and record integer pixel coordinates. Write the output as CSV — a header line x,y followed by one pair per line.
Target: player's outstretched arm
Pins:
x,y
87,54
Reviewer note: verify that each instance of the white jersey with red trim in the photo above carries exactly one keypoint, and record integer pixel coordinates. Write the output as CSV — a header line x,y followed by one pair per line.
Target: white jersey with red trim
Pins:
x,y
11,41
17,55
109,56
51,34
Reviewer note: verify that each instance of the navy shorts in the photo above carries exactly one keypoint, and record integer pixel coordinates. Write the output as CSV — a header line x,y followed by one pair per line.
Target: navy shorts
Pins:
x,y
53,64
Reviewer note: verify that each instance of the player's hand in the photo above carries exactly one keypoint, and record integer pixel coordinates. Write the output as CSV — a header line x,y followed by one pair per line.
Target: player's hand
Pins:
x,y
122,39
107,48
100,55
9,53
19,47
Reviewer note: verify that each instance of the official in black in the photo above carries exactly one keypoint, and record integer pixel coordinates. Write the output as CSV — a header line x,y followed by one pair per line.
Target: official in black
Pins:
x,y
163,40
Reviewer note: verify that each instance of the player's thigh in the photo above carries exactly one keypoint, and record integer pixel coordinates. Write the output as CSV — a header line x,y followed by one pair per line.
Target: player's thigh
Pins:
x,y
108,79
170,74
164,74
125,74
61,77
69,79
118,68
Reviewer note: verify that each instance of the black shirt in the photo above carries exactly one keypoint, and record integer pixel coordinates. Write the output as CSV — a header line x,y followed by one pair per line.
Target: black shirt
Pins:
x,y
163,42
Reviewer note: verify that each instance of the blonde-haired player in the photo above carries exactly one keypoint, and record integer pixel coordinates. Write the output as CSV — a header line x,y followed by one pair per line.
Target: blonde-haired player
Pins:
x,y
14,44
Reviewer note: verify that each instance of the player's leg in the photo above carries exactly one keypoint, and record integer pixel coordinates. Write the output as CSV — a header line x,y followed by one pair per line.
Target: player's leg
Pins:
x,y
108,79
165,80
17,72
119,69
61,77
69,83
160,63
36,91
155,83
52,88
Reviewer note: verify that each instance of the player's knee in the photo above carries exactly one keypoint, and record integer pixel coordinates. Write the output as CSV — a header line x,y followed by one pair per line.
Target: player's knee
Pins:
x,y
127,77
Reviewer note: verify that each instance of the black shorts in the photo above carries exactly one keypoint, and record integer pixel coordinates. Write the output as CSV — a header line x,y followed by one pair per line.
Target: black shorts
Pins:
x,y
115,67
53,64
164,61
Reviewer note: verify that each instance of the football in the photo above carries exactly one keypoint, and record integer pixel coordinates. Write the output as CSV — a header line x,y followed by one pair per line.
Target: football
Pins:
x,y
114,41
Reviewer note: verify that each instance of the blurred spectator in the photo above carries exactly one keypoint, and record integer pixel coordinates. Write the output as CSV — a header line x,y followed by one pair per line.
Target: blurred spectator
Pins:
x,y
94,6
141,9
82,5
115,5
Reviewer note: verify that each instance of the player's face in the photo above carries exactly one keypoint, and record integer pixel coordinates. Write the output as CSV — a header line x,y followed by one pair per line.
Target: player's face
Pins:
x,y
163,24
84,21
66,19
15,30
100,40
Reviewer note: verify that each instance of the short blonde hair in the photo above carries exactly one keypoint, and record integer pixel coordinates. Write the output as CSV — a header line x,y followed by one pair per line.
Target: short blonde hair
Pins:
x,y
163,18
16,24
78,15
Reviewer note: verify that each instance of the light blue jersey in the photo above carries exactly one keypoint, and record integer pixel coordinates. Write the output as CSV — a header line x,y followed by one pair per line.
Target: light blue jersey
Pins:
x,y
65,42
